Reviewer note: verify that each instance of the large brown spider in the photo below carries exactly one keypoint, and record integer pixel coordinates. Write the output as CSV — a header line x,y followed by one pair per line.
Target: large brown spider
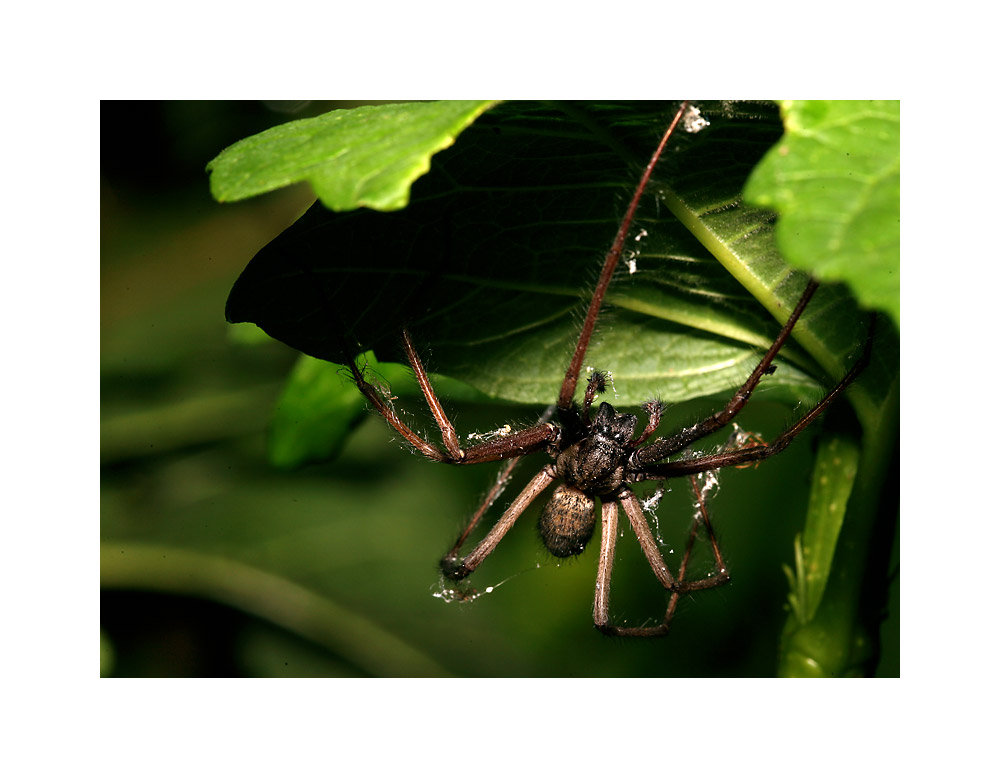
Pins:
x,y
597,454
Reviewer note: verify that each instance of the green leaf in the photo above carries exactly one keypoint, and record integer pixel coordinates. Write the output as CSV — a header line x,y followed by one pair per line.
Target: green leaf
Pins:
x,y
248,334
314,414
834,179
362,157
836,465
834,632
492,262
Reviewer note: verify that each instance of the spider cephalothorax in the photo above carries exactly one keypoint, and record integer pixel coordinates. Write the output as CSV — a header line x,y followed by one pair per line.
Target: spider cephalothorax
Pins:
x,y
597,457
596,464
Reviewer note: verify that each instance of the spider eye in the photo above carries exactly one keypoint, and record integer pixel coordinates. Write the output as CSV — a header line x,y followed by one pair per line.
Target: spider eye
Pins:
x,y
623,428
618,426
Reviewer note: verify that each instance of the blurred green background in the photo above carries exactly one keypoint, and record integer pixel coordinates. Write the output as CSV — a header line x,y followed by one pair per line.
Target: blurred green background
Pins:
x,y
213,563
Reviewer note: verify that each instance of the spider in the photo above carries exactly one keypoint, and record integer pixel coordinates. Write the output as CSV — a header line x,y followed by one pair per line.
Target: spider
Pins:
x,y
597,454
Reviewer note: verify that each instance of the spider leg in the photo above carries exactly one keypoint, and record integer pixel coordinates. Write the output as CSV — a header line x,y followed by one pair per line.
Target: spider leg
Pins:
x,y
654,408
648,544
605,563
448,434
568,389
491,496
664,447
513,445
595,386
676,586
646,540
754,453
721,574
502,479
688,548
456,568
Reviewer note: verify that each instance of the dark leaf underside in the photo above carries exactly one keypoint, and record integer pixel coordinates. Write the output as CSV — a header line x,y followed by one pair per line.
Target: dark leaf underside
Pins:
x,y
493,260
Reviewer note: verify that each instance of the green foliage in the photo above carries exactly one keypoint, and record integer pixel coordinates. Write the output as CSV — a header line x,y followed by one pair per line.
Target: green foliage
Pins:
x,y
836,466
314,415
834,179
366,157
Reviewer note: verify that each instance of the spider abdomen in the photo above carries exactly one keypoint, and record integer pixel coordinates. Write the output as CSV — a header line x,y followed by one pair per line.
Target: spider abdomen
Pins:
x,y
567,521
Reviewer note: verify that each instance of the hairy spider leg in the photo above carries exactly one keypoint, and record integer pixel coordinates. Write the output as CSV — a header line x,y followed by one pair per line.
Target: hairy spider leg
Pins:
x,y
646,540
654,409
568,389
605,562
721,570
720,565
676,587
499,485
381,404
459,568
448,434
595,386
755,453
514,445
648,544
664,447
